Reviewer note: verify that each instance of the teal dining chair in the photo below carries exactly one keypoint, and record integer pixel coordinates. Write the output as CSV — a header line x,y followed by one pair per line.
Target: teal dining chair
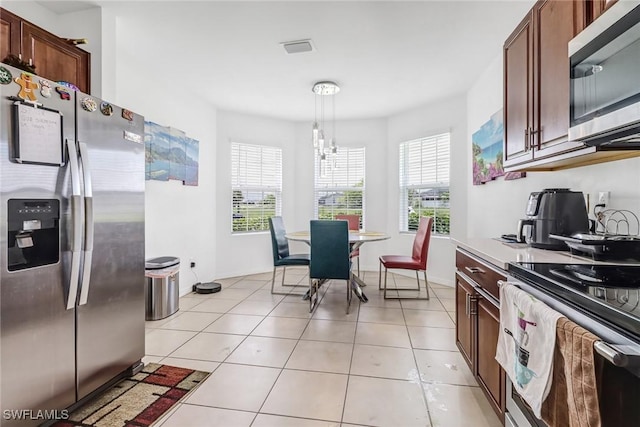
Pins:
x,y
281,256
329,257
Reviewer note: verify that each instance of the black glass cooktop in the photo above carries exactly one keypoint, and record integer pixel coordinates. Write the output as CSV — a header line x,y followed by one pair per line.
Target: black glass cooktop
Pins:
x,y
609,292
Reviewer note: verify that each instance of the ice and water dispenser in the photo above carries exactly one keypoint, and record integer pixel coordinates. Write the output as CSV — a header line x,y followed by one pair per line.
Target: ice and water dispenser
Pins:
x,y
34,233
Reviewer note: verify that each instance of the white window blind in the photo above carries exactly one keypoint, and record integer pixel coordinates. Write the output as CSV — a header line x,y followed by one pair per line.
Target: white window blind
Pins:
x,y
424,182
339,185
256,181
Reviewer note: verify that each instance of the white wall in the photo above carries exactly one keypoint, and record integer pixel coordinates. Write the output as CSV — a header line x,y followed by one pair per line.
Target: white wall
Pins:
x,y
447,115
179,220
247,253
495,207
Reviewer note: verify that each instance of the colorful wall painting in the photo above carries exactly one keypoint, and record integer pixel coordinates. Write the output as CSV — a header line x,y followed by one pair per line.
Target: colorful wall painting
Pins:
x,y
170,154
487,150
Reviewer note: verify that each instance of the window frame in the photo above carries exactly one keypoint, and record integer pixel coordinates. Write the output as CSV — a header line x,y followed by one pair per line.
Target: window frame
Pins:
x,y
361,153
407,174
273,187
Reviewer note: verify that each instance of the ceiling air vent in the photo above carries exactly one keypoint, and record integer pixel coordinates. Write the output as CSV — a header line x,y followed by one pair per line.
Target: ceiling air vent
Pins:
x,y
298,46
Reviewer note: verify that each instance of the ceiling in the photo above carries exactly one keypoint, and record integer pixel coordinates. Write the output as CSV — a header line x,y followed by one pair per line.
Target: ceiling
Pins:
x,y
387,57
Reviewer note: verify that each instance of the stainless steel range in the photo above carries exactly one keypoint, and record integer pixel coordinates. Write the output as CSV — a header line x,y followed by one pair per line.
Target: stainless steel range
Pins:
x,y
604,299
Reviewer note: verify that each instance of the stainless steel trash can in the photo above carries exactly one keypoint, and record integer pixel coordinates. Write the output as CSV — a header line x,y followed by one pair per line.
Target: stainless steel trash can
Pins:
x,y
162,287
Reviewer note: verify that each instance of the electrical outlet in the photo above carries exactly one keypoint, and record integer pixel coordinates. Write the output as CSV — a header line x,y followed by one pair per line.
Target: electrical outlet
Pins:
x,y
603,198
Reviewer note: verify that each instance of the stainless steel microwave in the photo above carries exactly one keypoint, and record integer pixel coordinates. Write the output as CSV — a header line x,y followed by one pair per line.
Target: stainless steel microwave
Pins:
x,y
605,80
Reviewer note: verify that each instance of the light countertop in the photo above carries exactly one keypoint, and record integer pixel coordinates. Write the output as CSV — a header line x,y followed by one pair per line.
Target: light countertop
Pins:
x,y
500,253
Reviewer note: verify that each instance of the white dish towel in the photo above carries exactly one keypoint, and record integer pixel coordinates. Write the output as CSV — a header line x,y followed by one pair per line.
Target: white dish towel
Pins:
x,y
526,344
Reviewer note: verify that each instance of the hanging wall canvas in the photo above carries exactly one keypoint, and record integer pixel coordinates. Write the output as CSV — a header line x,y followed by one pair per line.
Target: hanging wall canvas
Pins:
x,y
487,150
170,154
157,142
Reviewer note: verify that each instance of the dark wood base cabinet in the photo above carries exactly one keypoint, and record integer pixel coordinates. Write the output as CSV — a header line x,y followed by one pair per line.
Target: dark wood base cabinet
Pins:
x,y
478,324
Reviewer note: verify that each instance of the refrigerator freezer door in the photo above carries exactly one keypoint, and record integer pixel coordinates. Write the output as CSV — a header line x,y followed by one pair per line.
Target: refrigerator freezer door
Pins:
x,y
110,325
37,344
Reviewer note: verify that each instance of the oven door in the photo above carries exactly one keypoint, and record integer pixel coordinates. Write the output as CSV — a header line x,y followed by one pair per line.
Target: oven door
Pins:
x,y
618,386
517,413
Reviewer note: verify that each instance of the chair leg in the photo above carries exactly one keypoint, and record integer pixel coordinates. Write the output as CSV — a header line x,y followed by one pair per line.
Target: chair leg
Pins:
x,y
358,266
273,279
284,270
380,277
426,283
385,282
313,292
273,282
399,290
349,295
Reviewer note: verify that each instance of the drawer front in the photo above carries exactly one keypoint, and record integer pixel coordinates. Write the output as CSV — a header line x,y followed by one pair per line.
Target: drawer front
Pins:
x,y
480,271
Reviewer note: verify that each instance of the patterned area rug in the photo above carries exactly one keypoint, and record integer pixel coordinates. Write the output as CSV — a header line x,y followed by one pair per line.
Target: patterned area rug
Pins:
x,y
137,401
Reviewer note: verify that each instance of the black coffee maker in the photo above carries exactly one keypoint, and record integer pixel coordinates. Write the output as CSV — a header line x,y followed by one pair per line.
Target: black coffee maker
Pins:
x,y
553,211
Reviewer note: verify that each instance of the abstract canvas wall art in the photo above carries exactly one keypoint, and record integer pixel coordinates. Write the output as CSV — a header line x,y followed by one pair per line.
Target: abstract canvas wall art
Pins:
x,y
487,150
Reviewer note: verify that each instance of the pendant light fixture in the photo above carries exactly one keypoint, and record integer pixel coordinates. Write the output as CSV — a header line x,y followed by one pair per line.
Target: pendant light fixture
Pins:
x,y
318,129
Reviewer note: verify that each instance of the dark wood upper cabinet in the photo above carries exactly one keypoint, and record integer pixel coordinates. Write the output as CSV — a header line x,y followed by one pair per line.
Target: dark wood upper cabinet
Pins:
x,y
536,81
518,93
53,57
556,23
9,34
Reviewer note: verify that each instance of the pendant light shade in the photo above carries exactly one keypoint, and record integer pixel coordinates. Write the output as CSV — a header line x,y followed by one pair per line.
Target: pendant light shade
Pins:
x,y
318,129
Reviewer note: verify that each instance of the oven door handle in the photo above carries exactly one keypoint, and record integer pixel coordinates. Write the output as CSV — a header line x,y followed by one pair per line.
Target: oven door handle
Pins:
x,y
618,355
624,356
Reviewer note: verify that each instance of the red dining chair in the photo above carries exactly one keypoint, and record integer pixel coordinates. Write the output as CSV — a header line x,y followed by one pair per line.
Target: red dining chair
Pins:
x,y
354,225
417,261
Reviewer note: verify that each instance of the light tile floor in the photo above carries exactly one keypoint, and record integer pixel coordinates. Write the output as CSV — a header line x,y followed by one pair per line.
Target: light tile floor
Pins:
x,y
387,363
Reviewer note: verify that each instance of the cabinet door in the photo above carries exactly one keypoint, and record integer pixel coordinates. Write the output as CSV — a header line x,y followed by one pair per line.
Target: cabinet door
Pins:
x,y
464,324
53,58
518,117
9,34
489,374
556,22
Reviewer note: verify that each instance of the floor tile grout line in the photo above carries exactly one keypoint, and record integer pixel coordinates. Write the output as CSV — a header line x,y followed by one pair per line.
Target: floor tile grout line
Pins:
x,y
415,361
353,349
358,322
283,366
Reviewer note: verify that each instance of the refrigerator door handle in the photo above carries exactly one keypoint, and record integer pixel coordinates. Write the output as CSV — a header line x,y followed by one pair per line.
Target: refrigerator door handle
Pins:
x,y
89,224
76,218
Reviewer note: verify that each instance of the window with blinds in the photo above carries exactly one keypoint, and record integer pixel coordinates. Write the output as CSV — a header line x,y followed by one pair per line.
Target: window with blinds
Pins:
x,y
256,181
424,182
339,185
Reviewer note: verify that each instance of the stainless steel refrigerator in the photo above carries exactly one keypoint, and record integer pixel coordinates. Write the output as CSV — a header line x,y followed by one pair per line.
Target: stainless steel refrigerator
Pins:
x,y
71,244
